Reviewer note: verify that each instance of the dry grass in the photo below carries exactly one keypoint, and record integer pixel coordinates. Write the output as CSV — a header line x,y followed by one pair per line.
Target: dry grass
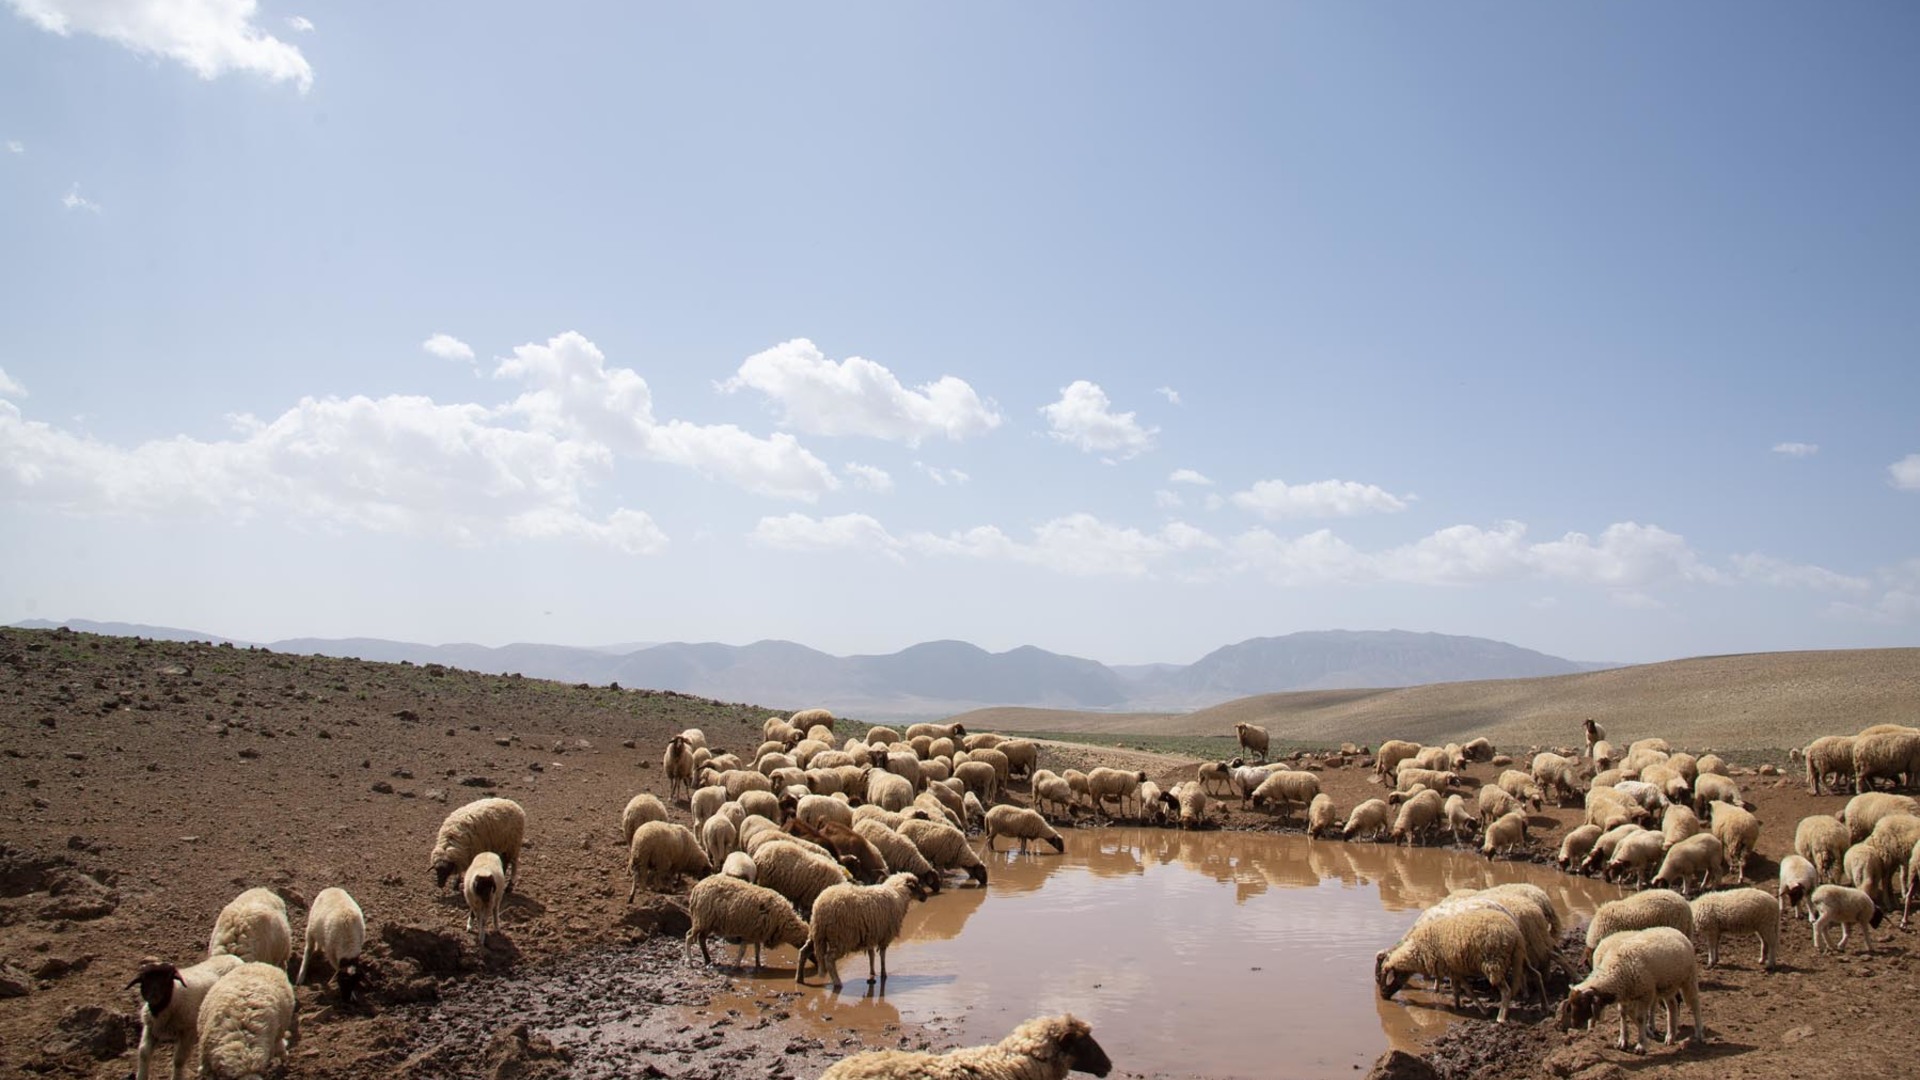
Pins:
x,y
1751,700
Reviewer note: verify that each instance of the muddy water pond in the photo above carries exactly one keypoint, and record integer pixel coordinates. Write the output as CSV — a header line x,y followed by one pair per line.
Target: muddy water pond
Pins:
x,y
1218,954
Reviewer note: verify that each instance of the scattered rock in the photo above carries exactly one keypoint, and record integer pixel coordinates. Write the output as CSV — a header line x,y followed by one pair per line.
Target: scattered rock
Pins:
x,y
382,787
14,982
434,951
1400,1065
435,794
502,741
657,914
476,781
248,753
101,1033
54,967
517,1054
1796,1034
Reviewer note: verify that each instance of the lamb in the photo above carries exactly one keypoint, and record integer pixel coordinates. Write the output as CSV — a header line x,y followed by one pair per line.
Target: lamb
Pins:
x,y
1253,739
496,825
482,885
719,838
1370,818
1508,833
1641,911
1604,847
1392,753
1838,905
899,852
1191,801
1701,855
1635,854
678,763
1798,880
1474,943
1286,789
945,847
1829,756
170,1012
336,930
1576,844
1738,911
1863,812
1739,831
1823,842
1646,969
1891,755
1417,817
662,851
1020,823
1117,784
248,1020
850,917
1216,772
641,809
1046,1048
796,873
1556,776
1323,817
1601,751
728,907
253,926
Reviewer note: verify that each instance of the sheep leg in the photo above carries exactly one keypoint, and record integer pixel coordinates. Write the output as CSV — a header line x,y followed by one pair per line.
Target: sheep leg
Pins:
x,y
883,965
1691,989
183,1051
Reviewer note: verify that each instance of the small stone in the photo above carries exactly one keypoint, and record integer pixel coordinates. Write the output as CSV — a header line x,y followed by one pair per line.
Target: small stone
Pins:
x,y
1796,1034
476,781
502,741
382,787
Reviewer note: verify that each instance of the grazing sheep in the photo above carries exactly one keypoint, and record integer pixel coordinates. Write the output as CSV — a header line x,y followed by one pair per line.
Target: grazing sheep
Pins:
x,y
336,930
719,838
1021,824
1505,834
728,907
1711,788
979,778
945,847
888,791
899,852
1077,781
1678,823
1520,786
703,803
1472,943
1392,753
1701,855
1871,871
853,917
814,809
1556,776
1370,818
1641,911
796,873
1434,780
1023,756
1798,880
1712,764
253,926
1116,784
678,762
1478,750
1286,790
641,809
1576,844
483,884
1601,752
739,864
661,851
496,825
1650,797
1822,841
1050,789
1838,905
1253,739
1864,811
1829,761
1892,755
1739,831
1604,847
1738,911
736,781
1323,817
763,803
935,731
1429,757
1190,799
170,1000
1495,802
1047,1048
806,718
1418,816
1646,969
1636,854
1216,772
249,1020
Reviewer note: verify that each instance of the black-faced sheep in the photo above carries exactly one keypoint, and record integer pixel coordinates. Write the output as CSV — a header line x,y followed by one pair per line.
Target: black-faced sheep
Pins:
x,y
851,917
170,1000
336,931
249,1020
1798,880
1047,1048
1838,905
496,825
483,885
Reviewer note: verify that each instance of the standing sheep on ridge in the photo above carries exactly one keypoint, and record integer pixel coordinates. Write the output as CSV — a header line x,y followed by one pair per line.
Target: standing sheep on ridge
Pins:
x,y
1594,733
1253,739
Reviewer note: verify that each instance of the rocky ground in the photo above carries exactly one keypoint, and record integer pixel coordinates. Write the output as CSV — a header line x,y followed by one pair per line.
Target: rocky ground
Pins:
x,y
146,783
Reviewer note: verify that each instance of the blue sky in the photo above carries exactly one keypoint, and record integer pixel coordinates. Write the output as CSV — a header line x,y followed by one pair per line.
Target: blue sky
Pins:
x,y
1116,329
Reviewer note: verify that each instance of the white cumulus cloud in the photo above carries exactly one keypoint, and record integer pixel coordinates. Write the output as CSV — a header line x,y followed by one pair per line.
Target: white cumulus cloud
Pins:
x,y
211,37
868,477
15,146
1168,500
73,200
1905,473
9,387
1168,392
1768,570
1796,449
1084,418
1188,476
859,397
448,347
849,532
942,477
300,23
1078,544
1626,555
1274,499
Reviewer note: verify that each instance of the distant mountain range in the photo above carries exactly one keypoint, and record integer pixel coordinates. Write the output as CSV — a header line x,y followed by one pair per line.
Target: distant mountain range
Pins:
x,y
937,678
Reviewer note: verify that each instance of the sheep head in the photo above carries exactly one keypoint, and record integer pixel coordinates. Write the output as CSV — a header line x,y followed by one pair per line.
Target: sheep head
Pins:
x,y
978,873
443,869
1387,977
1582,1006
348,976
1878,917
1075,1043
155,981
1059,845
930,880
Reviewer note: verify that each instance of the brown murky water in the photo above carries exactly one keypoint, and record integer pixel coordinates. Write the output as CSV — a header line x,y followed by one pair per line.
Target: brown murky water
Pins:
x,y
1214,954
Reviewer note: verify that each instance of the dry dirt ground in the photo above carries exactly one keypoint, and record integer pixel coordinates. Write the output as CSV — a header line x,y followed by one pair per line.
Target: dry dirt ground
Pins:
x,y
147,783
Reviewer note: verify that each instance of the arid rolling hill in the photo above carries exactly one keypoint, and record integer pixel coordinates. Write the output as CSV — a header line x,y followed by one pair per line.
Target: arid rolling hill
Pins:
x,y
1747,700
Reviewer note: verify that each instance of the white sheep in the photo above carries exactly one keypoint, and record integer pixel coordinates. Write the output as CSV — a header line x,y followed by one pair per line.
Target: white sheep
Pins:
x,y
1576,844
1830,762
661,852
796,873
249,1020
1253,739
170,1000
1641,911
1119,785
1370,818
1822,841
1557,776
888,791
1678,823
496,825
1022,824
1637,854
1893,755
1864,811
1050,789
1477,750
1520,786
1046,1048
1392,753
1472,943
719,838
1023,756
728,907
1738,911
641,809
898,851
1433,779
1603,848
678,763
1322,816
1191,802
739,864
1496,802
253,926
337,931
852,917
1418,816
1838,905
483,884
1647,968
1712,764
1505,834
1870,871
1213,773
1798,880
979,777
703,804
1739,830
806,719
1285,790
944,847
1700,856
1711,788
934,731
